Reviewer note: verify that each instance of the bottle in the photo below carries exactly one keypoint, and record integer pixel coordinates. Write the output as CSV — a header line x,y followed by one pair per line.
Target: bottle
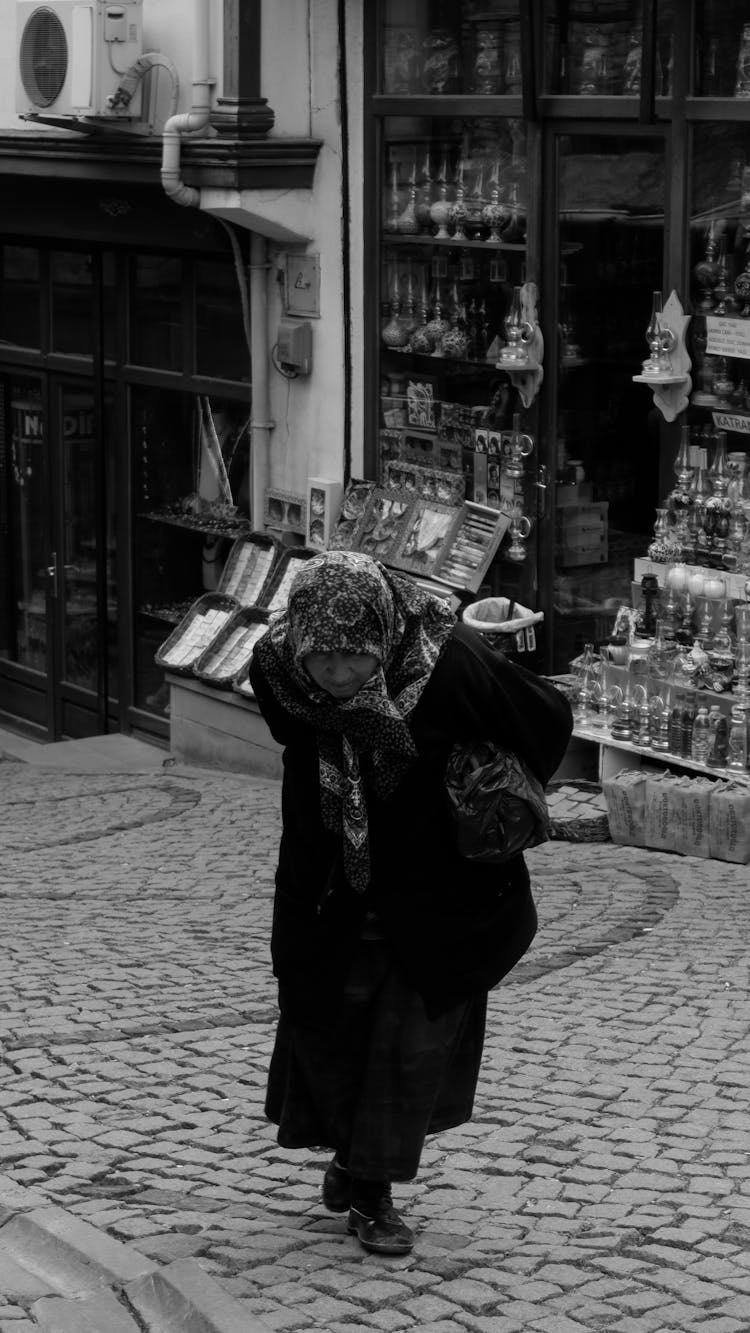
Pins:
x,y
675,722
687,723
699,742
742,81
737,742
717,738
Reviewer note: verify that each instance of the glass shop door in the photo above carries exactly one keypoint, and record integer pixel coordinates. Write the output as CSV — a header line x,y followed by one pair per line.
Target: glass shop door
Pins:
x,y
606,243
58,616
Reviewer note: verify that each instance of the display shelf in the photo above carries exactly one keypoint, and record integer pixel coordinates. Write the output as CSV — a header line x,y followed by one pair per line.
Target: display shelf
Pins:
x,y
214,528
452,243
615,754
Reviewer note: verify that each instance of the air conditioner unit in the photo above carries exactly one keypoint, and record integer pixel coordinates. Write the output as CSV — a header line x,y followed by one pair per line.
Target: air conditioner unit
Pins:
x,y
72,54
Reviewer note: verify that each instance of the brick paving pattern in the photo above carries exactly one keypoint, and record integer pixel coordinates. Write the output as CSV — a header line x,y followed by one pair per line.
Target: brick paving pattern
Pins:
x,y
604,1182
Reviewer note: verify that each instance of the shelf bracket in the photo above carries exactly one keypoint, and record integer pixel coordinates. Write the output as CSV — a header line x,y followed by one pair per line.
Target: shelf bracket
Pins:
x,y
672,392
527,379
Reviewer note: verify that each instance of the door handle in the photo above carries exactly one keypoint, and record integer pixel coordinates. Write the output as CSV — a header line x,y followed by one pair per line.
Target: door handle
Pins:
x,y
52,571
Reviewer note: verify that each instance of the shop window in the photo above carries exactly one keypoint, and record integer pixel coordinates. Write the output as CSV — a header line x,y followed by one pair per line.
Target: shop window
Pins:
x,y
72,286
157,324
20,296
595,48
221,339
721,66
23,552
191,496
441,48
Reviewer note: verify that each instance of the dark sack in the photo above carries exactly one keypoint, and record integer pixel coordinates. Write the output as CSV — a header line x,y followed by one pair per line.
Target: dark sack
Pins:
x,y
498,805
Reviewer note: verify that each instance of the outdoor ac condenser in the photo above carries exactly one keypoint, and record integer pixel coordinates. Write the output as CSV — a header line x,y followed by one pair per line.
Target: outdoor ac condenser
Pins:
x,y
71,56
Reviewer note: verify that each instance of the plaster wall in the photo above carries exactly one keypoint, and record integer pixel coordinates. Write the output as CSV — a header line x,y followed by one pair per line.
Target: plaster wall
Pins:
x,y
300,78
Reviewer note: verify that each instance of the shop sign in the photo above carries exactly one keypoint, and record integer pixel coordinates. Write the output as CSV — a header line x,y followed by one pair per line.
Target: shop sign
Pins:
x,y
728,337
731,421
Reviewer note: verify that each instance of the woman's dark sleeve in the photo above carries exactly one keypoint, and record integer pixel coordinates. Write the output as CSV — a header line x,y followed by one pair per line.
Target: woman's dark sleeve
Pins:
x,y
279,722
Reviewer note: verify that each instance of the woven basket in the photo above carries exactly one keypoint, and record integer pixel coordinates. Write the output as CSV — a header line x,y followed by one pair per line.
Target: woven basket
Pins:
x,y
581,828
248,567
206,617
232,648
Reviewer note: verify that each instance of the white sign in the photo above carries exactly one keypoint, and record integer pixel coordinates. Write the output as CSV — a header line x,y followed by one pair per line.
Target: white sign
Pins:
x,y
728,337
730,421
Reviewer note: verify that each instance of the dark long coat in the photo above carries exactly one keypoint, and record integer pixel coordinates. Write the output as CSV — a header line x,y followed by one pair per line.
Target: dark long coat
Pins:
x,y
456,927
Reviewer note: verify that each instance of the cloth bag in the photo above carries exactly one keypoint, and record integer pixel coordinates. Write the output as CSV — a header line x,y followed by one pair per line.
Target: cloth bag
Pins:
x,y
498,806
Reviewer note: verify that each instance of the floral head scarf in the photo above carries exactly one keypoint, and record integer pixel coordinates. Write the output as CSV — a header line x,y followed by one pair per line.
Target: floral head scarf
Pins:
x,y
342,601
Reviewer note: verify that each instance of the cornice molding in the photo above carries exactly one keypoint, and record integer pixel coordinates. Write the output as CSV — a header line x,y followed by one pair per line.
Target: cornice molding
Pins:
x,y
222,161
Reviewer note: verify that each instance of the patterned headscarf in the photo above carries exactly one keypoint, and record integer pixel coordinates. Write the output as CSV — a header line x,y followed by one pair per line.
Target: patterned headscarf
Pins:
x,y
342,601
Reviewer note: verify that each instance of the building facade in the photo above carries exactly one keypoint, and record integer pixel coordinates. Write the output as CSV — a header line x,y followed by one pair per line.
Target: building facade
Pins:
x,y
271,248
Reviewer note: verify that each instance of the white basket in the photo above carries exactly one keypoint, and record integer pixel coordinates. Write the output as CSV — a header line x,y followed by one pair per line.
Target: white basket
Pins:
x,y
489,616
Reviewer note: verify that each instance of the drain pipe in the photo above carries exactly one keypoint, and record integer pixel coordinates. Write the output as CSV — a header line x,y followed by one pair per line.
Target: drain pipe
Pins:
x,y
189,122
261,424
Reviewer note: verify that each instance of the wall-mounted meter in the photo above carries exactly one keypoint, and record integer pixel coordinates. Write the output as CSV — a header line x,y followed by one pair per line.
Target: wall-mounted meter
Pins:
x,y
294,346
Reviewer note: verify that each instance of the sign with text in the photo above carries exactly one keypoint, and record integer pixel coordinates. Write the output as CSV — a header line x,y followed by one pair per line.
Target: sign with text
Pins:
x,y
731,421
728,337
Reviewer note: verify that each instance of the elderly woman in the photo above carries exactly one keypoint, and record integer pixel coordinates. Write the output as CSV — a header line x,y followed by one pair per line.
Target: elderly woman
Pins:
x,y
385,941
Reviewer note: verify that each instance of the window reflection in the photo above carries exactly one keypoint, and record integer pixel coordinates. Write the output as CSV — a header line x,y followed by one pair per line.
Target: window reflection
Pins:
x,y
19,296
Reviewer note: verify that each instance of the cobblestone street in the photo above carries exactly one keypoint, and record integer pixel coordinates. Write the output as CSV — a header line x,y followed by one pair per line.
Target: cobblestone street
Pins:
x,y
604,1183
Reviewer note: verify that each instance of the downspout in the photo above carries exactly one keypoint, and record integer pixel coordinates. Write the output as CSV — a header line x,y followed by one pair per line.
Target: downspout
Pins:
x,y
260,423
189,122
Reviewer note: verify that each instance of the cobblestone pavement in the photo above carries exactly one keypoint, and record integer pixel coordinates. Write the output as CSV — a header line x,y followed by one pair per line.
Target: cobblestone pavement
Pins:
x,y
604,1182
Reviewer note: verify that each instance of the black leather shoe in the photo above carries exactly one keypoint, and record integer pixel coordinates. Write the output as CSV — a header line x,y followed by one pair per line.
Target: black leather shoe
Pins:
x,y
337,1188
380,1228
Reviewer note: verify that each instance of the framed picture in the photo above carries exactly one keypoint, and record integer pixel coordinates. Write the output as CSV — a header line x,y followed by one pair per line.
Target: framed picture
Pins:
x,y
428,483
420,402
427,531
285,511
471,545
382,525
351,513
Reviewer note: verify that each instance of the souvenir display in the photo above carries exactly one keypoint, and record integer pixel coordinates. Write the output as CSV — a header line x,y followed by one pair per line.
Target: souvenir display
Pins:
x,y
427,483
206,617
247,568
382,525
230,648
454,545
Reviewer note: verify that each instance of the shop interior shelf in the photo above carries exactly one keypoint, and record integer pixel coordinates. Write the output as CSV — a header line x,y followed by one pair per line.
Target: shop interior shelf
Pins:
x,y
614,754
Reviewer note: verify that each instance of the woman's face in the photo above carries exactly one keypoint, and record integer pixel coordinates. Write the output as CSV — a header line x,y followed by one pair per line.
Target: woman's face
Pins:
x,y
340,674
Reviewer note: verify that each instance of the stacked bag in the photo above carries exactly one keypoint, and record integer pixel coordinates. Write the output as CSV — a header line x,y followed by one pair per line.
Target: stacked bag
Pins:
x,y
693,816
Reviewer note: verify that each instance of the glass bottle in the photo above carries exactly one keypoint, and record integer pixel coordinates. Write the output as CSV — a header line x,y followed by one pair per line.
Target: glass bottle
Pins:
x,y
737,740
700,491
585,672
675,722
678,500
742,80
699,743
687,723
664,547
718,505
716,756
645,621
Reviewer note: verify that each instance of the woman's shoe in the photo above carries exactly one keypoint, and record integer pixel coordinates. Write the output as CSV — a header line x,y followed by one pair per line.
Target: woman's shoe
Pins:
x,y
337,1188
378,1226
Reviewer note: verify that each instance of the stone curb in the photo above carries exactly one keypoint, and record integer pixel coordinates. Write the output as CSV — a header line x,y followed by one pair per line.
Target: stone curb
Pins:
x,y
84,1269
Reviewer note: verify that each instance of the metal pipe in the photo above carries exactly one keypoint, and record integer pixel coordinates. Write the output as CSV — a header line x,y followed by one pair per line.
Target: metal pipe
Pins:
x,y
193,121
260,422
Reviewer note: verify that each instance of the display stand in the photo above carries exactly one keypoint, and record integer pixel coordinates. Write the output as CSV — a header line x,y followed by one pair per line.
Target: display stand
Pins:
x,y
672,391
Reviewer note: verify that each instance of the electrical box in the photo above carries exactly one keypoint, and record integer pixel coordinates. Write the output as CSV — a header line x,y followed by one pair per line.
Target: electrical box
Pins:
x,y
294,346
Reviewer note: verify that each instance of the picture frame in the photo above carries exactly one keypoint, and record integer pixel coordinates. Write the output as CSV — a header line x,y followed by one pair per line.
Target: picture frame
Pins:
x,y
382,525
352,509
421,401
425,537
285,511
447,487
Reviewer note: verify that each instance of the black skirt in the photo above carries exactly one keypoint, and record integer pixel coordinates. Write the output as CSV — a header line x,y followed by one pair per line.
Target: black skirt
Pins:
x,y
373,1082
